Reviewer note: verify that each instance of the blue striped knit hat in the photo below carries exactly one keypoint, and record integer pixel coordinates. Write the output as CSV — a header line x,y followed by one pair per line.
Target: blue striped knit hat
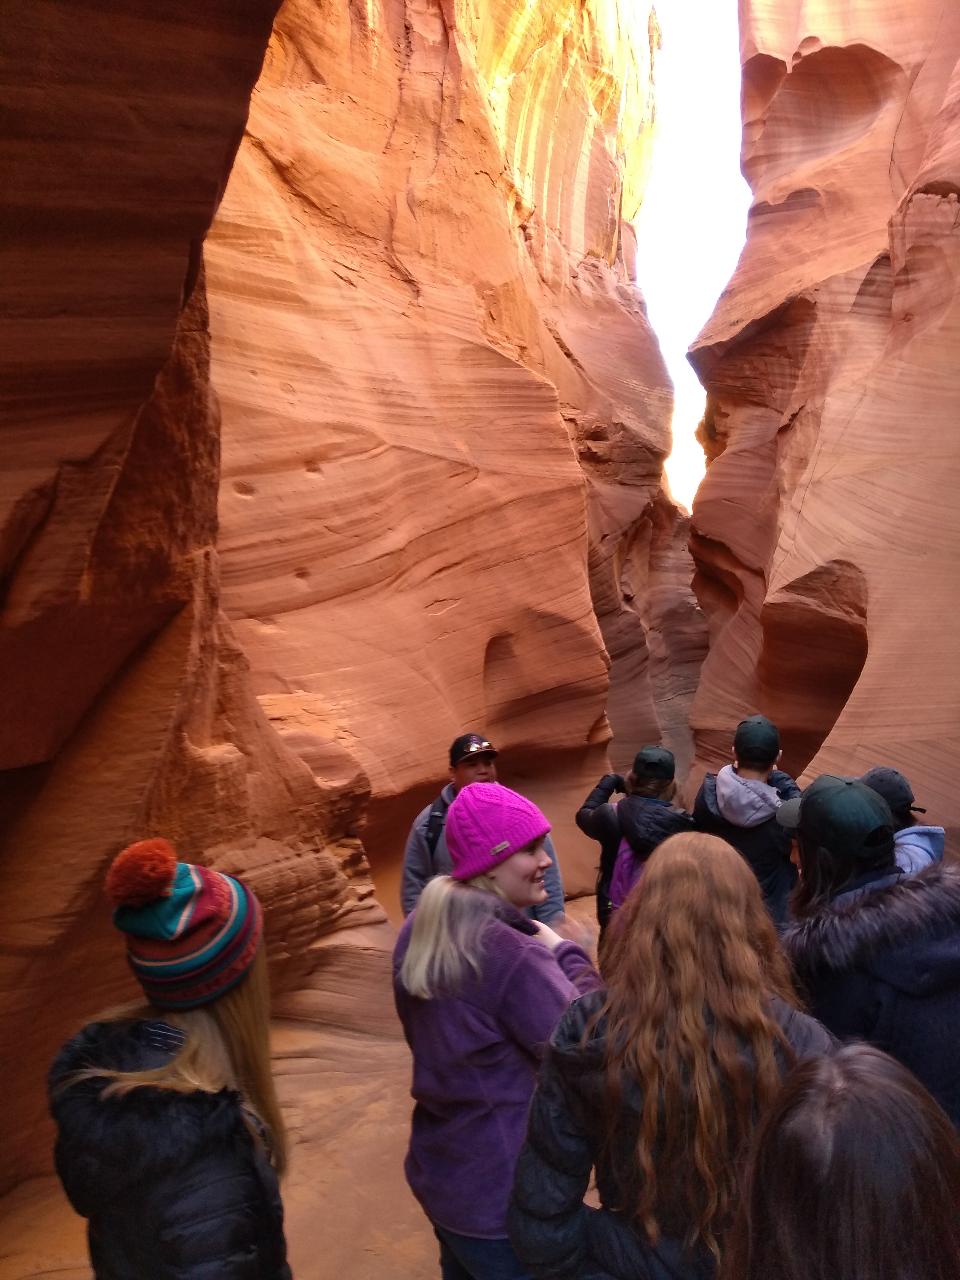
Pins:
x,y
192,932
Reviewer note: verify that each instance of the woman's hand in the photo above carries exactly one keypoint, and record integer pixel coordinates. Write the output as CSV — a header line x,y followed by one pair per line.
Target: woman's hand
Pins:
x,y
566,929
549,937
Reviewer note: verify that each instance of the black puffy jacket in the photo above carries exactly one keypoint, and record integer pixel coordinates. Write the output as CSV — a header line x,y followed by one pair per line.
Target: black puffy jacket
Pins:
x,y
554,1233
597,818
173,1185
766,847
881,962
645,822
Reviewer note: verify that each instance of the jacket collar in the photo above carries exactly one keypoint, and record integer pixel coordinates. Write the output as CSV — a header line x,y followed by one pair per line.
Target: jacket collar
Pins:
x,y
853,928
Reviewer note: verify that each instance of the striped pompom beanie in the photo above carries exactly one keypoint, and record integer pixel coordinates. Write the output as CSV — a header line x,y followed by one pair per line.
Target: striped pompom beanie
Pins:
x,y
192,932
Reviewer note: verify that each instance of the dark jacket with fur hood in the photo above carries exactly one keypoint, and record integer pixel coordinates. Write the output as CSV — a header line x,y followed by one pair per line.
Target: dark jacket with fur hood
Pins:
x,y
173,1185
881,962
554,1233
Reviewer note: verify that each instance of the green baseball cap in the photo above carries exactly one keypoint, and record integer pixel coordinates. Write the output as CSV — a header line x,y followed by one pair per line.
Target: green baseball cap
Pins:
x,y
655,762
842,815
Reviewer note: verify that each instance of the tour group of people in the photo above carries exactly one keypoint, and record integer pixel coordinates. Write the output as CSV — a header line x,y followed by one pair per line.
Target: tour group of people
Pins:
x,y
753,1076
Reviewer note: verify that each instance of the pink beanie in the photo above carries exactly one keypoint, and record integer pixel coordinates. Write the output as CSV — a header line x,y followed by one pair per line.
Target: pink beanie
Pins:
x,y
488,823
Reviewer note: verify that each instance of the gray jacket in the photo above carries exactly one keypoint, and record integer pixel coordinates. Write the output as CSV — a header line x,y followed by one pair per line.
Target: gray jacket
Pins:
x,y
419,867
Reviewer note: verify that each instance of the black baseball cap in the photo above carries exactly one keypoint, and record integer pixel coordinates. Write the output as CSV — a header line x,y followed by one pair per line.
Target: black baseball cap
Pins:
x,y
654,762
756,741
893,786
842,815
470,744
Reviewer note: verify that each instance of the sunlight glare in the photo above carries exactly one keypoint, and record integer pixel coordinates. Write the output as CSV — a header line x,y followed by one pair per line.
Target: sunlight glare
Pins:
x,y
692,224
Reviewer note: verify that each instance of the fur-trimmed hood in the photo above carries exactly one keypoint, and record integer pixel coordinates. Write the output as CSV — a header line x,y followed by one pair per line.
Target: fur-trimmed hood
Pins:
x,y
907,933
105,1144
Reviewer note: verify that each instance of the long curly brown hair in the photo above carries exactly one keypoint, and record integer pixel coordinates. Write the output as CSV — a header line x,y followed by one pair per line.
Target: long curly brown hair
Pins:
x,y
690,968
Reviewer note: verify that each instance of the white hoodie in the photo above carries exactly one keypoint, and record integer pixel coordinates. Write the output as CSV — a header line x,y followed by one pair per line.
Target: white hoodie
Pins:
x,y
744,801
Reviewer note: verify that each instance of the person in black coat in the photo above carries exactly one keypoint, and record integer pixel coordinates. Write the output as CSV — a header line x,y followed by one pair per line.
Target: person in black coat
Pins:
x,y
877,950
739,804
644,818
169,1136
615,1092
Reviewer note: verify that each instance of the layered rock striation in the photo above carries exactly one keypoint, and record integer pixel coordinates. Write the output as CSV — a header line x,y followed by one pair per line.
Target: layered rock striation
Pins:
x,y
127,706
825,533
287,507
444,411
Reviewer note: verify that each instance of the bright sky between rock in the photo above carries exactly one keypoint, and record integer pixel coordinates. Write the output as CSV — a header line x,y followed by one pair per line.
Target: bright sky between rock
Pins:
x,y
692,224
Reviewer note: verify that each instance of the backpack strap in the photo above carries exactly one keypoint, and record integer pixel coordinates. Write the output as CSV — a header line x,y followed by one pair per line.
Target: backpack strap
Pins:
x,y
435,824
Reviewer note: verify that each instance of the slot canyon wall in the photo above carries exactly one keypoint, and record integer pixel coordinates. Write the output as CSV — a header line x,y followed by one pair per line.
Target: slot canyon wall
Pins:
x,y
288,505
444,412
826,532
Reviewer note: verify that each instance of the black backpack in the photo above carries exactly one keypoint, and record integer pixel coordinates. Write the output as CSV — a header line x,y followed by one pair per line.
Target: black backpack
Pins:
x,y
435,822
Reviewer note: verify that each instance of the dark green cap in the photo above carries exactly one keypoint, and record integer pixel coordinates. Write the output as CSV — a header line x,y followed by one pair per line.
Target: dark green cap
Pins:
x,y
654,762
756,741
840,814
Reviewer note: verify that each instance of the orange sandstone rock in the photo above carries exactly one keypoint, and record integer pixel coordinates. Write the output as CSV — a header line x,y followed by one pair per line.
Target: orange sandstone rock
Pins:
x,y
444,411
825,533
127,709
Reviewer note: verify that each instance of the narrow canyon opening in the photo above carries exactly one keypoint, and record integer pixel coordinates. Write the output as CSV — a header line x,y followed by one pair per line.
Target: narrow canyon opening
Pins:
x,y
692,222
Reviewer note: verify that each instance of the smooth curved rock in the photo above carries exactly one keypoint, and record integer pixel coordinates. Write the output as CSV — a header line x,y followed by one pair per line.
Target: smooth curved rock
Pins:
x,y
127,709
825,533
439,391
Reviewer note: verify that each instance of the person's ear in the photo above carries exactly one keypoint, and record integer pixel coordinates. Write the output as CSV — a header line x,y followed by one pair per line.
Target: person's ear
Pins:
x,y
779,755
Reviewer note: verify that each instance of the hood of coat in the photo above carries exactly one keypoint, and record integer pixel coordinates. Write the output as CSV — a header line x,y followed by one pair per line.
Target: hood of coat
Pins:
x,y
916,847
907,933
744,802
104,1144
645,822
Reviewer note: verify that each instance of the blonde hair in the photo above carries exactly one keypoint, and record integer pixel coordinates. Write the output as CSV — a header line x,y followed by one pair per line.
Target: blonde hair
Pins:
x,y
227,1046
446,942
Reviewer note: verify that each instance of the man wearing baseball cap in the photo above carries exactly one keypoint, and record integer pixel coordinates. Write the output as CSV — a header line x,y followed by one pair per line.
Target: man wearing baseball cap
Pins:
x,y
916,845
740,804
643,819
472,759
877,951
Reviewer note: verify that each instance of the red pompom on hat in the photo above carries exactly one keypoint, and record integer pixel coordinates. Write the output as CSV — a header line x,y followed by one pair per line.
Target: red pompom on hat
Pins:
x,y
141,873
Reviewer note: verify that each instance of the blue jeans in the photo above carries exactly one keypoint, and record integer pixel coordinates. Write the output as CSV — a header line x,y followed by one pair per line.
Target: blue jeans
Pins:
x,y
467,1258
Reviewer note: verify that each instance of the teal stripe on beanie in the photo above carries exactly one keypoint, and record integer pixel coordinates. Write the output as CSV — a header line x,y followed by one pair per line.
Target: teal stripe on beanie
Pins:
x,y
183,963
164,916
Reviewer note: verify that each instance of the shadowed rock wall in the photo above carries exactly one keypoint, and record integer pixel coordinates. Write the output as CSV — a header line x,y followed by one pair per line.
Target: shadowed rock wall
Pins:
x,y
826,531
444,411
127,708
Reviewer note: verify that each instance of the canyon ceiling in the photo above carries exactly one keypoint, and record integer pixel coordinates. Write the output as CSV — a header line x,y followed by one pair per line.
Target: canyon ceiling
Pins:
x,y
334,425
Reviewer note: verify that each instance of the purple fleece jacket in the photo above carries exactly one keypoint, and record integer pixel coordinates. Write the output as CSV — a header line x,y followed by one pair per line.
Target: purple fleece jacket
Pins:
x,y
475,1060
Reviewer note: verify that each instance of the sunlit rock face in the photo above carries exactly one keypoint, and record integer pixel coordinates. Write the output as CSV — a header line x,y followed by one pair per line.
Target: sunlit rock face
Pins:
x,y
826,532
126,702
444,412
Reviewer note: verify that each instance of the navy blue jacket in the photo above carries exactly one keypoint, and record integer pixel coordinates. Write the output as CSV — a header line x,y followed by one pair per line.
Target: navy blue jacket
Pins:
x,y
174,1185
882,963
766,847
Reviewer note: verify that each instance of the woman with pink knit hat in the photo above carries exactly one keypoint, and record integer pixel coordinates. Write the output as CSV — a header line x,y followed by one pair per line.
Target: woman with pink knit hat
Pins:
x,y
479,988
169,1135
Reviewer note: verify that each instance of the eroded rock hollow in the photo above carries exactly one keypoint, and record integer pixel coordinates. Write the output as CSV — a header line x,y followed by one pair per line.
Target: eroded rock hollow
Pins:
x,y
825,532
